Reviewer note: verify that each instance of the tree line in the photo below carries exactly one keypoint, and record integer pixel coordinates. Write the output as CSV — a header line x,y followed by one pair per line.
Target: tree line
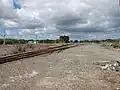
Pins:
x,y
62,39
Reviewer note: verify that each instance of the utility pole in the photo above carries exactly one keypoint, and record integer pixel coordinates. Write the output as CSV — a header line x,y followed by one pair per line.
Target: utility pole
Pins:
x,y
36,38
43,41
4,39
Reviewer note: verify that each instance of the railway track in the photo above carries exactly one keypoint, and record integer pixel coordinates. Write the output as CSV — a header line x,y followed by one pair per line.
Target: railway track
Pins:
x,y
23,55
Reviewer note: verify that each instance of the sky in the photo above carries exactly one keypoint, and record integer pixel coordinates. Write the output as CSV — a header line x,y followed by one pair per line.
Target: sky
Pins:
x,y
80,19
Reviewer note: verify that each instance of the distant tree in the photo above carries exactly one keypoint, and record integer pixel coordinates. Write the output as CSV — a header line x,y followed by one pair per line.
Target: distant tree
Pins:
x,y
86,41
71,41
11,41
1,41
40,41
81,41
97,41
57,41
31,40
64,39
49,41
22,41
75,41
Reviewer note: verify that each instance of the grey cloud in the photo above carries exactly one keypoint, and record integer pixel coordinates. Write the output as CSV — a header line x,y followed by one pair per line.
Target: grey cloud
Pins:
x,y
58,16
68,21
85,30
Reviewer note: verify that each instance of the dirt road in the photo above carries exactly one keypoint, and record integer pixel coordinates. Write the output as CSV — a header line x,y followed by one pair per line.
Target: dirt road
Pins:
x,y
72,69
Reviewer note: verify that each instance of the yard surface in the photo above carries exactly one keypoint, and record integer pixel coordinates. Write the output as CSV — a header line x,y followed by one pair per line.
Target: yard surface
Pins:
x,y
72,69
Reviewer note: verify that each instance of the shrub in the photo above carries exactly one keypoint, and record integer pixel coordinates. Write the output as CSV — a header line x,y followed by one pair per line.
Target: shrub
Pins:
x,y
20,48
29,46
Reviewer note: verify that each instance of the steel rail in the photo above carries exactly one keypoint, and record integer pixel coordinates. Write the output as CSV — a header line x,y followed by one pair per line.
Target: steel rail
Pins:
x,y
23,55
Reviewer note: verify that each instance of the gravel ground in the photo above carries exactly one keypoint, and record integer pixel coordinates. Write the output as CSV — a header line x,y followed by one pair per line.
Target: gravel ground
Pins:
x,y
72,69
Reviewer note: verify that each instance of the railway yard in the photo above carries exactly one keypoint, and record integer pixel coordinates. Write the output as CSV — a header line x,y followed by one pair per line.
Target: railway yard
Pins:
x,y
82,67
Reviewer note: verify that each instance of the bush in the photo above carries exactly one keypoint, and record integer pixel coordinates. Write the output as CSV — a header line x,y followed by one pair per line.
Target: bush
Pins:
x,y
30,46
19,48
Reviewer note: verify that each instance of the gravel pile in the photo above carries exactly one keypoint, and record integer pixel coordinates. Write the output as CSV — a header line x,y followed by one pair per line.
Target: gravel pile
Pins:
x,y
112,66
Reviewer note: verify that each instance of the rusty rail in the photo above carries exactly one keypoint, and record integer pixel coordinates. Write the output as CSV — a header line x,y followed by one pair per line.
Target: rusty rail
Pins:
x,y
23,55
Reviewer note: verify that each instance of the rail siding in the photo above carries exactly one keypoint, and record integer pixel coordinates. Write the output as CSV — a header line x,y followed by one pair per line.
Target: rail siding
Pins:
x,y
23,55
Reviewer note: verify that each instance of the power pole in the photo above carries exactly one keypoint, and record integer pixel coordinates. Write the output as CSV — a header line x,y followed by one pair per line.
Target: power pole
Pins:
x,y
43,41
4,39
36,39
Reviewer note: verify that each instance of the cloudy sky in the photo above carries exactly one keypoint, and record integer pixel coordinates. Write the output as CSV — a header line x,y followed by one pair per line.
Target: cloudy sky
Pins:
x,y
80,19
